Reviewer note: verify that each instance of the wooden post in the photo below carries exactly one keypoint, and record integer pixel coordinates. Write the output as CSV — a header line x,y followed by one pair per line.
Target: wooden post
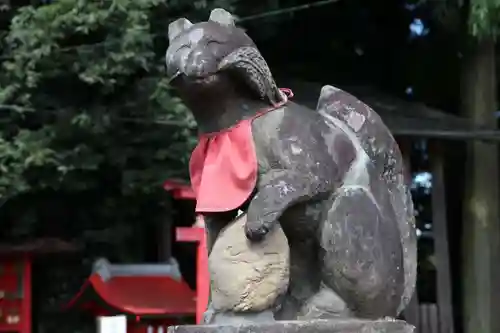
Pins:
x,y
481,221
440,227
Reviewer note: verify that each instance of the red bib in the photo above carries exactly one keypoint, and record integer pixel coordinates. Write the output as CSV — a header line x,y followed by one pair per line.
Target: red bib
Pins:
x,y
223,166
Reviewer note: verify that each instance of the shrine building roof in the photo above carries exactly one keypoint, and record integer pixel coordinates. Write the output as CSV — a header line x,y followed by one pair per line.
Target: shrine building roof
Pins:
x,y
143,290
404,118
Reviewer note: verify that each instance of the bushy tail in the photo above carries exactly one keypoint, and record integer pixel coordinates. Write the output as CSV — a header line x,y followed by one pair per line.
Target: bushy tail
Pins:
x,y
382,150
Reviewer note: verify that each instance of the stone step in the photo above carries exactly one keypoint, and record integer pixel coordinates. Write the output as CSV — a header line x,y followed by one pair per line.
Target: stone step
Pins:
x,y
311,326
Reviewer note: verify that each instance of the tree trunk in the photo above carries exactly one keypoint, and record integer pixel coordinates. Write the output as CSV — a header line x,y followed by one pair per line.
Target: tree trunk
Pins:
x,y
481,225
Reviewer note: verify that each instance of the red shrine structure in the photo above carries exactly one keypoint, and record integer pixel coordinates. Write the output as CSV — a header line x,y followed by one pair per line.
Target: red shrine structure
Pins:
x,y
196,234
15,293
152,296
15,281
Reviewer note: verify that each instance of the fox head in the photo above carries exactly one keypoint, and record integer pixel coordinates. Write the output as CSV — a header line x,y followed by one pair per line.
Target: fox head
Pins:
x,y
200,53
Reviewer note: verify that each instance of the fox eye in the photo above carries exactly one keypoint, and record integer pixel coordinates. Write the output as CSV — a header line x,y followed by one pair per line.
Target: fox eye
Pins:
x,y
213,47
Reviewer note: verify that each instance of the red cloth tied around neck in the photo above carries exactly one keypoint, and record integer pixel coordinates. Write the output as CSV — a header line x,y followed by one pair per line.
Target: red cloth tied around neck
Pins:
x,y
223,166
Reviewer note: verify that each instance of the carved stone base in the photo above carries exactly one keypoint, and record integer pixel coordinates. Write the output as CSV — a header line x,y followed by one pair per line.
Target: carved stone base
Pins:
x,y
312,326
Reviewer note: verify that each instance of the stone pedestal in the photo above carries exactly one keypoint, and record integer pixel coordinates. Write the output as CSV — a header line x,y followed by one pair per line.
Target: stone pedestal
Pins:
x,y
311,326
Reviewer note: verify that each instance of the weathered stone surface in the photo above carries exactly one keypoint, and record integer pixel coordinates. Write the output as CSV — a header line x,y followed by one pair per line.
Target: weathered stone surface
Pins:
x,y
246,276
313,326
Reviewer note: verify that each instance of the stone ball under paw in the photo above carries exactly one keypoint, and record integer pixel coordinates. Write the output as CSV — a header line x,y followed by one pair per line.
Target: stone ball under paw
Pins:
x,y
248,276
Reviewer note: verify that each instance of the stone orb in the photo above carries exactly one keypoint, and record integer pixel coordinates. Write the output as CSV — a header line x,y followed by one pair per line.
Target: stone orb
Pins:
x,y
248,277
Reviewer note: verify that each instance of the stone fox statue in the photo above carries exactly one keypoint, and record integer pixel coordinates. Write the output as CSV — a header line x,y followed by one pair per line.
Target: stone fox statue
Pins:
x,y
331,178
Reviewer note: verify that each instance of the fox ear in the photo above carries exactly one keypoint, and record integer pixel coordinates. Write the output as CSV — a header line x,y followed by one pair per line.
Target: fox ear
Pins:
x,y
325,97
222,17
178,26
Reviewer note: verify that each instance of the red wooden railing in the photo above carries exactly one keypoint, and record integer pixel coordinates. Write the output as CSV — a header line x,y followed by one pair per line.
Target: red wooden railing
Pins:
x,y
194,234
197,234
